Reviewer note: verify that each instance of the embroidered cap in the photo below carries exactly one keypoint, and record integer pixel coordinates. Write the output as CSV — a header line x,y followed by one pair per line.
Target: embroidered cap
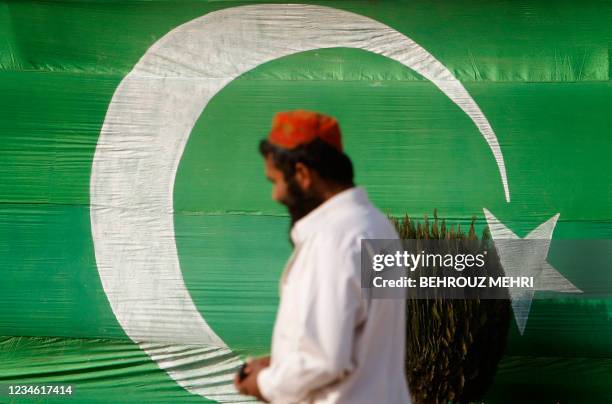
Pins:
x,y
293,128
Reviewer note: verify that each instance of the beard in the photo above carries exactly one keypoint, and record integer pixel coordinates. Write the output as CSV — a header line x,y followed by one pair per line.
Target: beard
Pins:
x,y
299,202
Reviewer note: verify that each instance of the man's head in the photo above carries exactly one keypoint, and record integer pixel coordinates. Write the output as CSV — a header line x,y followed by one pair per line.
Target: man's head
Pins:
x,y
304,160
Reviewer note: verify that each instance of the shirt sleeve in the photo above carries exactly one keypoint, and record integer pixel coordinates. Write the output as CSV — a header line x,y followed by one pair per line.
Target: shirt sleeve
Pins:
x,y
329,308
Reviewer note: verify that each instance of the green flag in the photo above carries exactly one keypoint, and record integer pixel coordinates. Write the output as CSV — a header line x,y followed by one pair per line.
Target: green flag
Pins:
x,y
140,248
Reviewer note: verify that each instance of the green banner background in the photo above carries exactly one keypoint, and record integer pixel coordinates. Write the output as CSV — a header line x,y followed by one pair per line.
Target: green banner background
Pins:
x,y
540,72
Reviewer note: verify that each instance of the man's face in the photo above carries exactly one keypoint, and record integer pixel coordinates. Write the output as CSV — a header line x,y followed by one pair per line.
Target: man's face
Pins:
x,y
276,177
298,198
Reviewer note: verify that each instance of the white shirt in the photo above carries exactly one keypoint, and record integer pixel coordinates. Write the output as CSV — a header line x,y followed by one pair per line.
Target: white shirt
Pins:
x,y
330,344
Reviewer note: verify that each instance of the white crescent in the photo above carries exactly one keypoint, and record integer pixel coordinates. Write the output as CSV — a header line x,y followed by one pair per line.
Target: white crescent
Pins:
x,y
148,122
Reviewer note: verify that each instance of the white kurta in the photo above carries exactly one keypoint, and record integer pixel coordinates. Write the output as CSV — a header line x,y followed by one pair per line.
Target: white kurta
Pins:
x,y
330,344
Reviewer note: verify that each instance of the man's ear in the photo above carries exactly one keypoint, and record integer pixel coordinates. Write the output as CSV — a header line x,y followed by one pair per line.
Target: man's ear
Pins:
x,y
303,175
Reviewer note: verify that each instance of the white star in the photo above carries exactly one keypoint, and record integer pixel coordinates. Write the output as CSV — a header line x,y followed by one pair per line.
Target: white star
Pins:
x,y
528,259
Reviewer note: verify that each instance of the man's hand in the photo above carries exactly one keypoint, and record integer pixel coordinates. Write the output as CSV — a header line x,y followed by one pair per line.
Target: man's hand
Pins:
x,y
248,386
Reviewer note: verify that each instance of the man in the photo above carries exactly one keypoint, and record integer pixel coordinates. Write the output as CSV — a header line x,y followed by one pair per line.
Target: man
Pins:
x,y
330,344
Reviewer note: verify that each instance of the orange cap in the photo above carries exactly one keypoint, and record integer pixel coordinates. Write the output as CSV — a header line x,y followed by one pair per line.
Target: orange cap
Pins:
x,y
293,128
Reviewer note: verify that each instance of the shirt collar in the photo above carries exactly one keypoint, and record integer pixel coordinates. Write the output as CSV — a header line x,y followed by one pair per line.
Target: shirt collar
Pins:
x,y
305,226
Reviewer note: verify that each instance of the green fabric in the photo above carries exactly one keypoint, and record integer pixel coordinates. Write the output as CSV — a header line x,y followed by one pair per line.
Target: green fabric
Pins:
x,y
540,72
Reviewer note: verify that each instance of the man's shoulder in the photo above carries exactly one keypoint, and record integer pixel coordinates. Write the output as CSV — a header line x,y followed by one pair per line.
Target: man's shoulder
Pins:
x,y
348,226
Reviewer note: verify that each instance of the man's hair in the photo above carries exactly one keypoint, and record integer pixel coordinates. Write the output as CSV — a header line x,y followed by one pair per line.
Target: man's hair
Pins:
x,y
330,163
